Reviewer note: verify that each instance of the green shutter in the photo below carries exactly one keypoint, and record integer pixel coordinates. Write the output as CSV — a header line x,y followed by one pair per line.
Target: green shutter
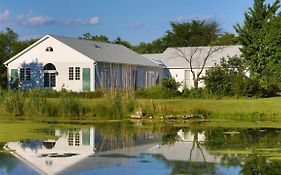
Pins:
x,y
85,136
86,79
14,78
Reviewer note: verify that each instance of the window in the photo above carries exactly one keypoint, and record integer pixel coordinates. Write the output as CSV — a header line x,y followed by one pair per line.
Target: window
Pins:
x,y
77,73
46,80
71,73
25,74
21,74
53,79
49,49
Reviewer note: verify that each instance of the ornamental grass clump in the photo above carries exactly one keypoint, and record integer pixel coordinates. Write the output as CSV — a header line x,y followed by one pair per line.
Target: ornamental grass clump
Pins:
x,y
36,103
120,102
71,107
13,103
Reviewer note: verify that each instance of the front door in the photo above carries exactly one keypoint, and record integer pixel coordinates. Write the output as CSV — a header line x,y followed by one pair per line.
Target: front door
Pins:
x,y
49,80
86,79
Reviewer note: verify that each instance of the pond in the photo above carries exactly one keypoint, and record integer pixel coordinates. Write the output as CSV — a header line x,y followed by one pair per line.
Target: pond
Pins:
x,y
143,148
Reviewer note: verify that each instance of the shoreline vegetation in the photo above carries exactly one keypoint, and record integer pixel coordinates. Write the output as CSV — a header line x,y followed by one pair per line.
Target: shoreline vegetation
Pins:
x,y
115,105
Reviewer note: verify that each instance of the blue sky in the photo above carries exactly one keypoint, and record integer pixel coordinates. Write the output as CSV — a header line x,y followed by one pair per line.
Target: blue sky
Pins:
x,y
132,20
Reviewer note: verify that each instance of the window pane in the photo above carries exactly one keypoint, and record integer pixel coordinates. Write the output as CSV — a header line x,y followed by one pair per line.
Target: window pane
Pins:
x,y
21,74
46,79
71,73
77,73
27,74
53,79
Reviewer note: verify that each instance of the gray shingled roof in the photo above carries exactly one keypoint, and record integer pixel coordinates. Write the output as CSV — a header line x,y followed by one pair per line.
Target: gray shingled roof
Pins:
x,y
172,59
106,52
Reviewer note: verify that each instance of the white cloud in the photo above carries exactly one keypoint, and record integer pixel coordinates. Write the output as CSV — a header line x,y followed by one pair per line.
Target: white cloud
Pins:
x,y
39,21
92,21
4,16
193,17
137,25
30,20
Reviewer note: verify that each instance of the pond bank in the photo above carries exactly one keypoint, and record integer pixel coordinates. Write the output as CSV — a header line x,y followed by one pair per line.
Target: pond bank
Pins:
x,y
40,108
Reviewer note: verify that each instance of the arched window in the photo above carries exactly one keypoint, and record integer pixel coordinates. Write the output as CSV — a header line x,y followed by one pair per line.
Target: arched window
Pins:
x,y
49,49
50,75
49,66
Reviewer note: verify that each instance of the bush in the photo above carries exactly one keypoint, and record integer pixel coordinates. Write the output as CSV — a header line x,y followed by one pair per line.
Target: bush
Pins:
x,y
198,93
170,85
218,81
13,103
154,92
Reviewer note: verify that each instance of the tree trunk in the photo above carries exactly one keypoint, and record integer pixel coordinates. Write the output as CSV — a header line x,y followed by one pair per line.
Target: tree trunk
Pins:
x,y
195,80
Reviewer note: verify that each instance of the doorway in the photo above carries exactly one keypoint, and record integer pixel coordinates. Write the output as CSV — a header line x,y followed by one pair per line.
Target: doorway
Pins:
x,y
49,75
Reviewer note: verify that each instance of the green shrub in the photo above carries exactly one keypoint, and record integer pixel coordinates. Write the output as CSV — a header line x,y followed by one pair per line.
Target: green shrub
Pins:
x,y
13,103
170,85
71,107
218,81
154,92
195,93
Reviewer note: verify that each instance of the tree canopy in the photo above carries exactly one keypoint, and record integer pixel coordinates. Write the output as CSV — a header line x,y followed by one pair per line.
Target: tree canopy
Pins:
x,y
9,46
256,32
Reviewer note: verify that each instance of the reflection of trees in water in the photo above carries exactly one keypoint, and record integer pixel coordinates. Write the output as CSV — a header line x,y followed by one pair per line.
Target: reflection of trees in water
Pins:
x,y
259,165
253,140
114,136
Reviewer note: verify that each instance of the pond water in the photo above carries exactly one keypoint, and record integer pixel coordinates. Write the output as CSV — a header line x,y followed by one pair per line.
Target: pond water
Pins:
x,y
138,148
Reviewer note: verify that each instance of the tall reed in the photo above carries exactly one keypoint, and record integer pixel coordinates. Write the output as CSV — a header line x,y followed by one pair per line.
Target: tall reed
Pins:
x,y
13,103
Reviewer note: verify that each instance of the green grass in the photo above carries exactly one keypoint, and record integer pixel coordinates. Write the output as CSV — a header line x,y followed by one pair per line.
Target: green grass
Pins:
x,y
234,109
226,106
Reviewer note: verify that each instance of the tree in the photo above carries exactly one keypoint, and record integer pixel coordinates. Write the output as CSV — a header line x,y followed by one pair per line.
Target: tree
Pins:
x,y
156,46
123,42
197,56
99,38
7,42
225,39
194,33
252,35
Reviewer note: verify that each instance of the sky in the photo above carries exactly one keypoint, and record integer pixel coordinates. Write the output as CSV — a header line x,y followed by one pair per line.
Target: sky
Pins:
x,y
133,20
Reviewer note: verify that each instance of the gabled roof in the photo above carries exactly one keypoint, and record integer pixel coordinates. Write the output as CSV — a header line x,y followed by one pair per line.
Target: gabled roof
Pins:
x,y
97,51
106,52
172,59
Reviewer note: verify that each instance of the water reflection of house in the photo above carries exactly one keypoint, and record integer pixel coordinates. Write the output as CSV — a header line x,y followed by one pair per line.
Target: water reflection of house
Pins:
x,y
53,156
77,150
188,148
80,150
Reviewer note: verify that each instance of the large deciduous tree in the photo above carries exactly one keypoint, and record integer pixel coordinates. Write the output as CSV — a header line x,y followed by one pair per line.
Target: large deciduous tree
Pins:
x,y
193,34
7,42
252,34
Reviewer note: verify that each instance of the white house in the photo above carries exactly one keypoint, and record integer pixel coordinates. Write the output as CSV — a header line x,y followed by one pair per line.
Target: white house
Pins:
x,y
178,67
56,62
